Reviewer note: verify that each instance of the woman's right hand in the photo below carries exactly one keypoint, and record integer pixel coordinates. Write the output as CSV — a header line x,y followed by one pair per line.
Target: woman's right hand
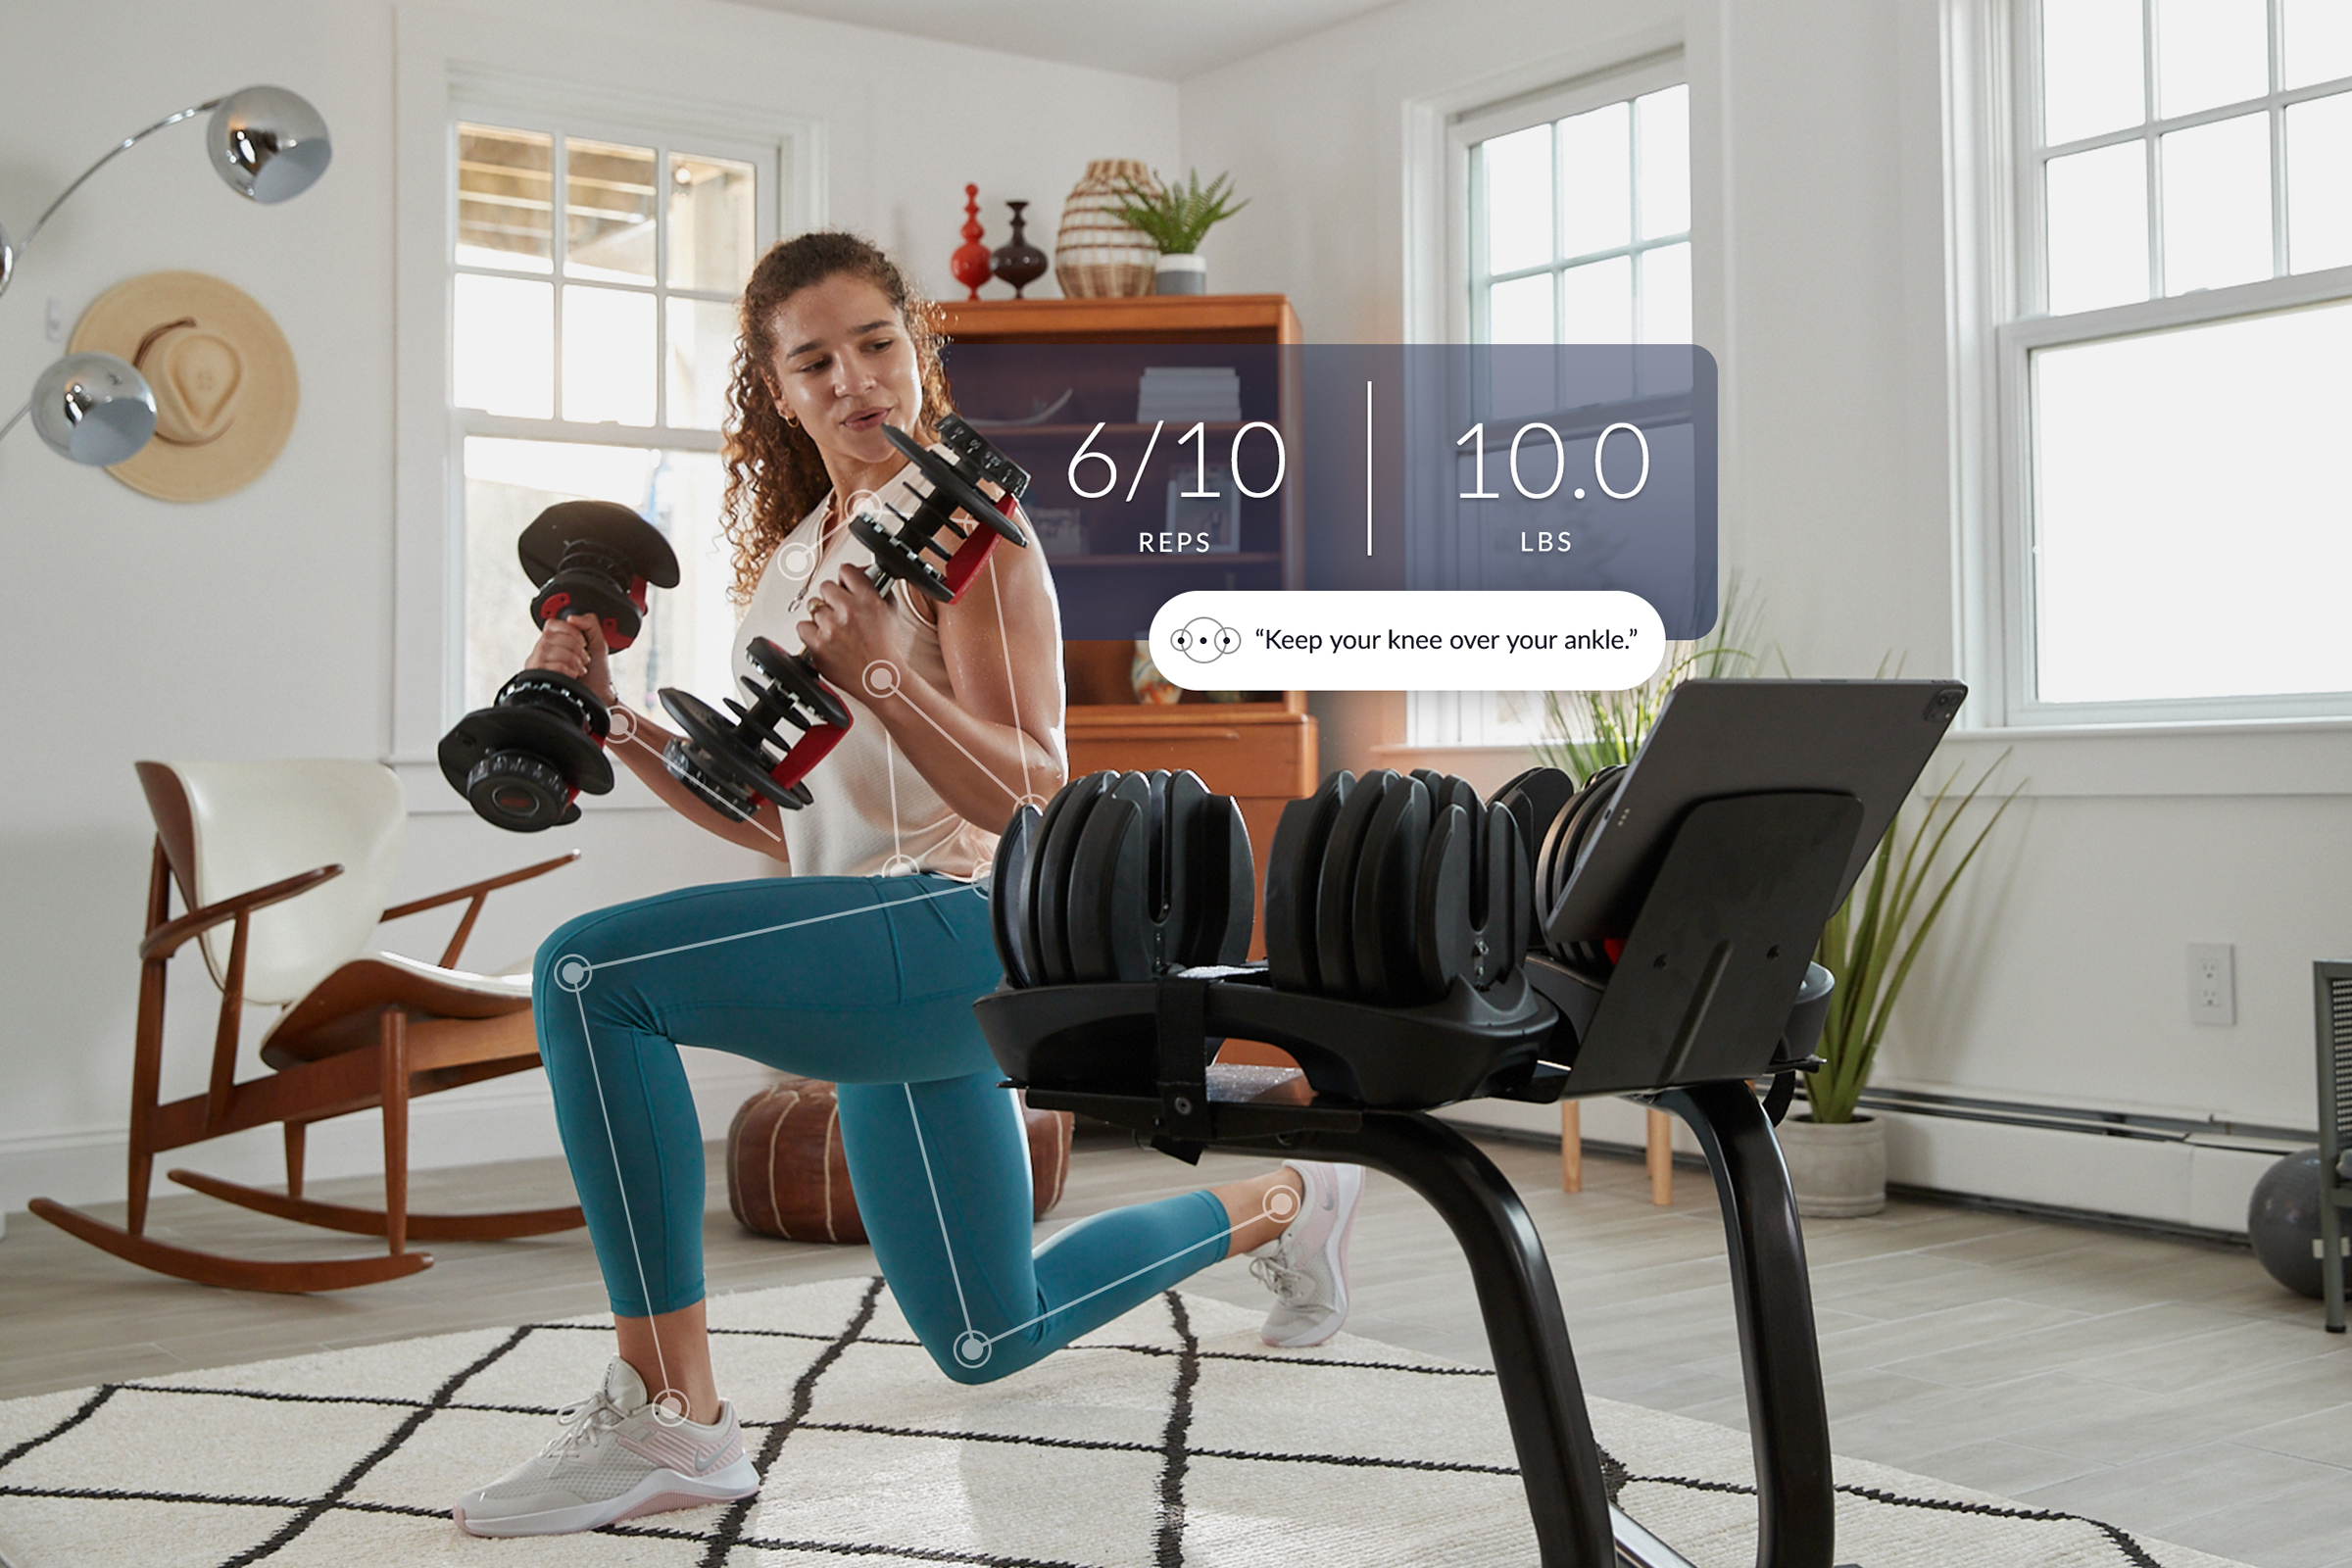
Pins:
x,y
575,646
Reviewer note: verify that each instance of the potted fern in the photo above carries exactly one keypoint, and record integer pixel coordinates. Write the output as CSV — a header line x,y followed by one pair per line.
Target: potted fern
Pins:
x,y
1837,1156
1177,220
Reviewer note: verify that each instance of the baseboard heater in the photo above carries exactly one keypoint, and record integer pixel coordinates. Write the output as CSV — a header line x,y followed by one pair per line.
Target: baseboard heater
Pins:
x,y
2211,1131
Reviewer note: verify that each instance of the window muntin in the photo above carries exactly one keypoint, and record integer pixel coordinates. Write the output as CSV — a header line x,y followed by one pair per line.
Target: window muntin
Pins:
x,y
590,359
1576,221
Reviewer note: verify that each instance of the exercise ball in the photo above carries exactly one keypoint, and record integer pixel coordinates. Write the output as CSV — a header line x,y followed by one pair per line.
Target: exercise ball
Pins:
x,y
2283,1221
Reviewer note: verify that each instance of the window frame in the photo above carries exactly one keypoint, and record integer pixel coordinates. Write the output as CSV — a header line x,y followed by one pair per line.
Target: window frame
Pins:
x,y
1476,718
2008,185
765,159
441,81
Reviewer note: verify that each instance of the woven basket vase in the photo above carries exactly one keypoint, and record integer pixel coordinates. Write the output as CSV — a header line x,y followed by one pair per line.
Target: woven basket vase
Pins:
x,y
1098,255
788,1177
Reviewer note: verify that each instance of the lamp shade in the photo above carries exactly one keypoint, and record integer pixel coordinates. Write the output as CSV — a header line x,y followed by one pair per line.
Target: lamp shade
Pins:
x,y
93,408
267,143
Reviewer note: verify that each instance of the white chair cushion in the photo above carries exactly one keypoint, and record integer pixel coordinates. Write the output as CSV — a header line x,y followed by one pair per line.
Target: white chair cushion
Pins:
x,y
260,823
482,985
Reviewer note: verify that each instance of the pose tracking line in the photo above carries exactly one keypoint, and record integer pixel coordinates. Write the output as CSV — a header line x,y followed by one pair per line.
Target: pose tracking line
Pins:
x,y
862,965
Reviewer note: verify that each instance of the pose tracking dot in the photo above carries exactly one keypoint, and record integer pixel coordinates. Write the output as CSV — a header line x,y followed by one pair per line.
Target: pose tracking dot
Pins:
x,y
972,1347
573,972
881,677
1280,1205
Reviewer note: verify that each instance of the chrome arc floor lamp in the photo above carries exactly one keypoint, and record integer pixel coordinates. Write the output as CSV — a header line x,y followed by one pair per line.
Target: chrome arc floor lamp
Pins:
x,y
268,145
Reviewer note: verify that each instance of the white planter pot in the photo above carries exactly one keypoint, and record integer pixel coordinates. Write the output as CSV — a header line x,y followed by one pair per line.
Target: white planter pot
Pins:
x,y
1181,275
1836,1170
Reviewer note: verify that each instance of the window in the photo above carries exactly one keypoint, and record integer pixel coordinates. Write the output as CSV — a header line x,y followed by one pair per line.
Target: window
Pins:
x,y
1580,226
1578,206
594,271
2174,368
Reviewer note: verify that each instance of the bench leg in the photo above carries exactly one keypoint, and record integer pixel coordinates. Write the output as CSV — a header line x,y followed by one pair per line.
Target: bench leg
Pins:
x,y
1558,1460
1788,1418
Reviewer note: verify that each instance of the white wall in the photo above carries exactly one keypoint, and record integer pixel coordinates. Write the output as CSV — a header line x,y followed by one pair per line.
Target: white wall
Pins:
x,y
260,625
1821,233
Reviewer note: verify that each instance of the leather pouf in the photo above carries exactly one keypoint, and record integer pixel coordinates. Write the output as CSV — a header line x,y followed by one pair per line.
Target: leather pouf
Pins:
x,y
787,1175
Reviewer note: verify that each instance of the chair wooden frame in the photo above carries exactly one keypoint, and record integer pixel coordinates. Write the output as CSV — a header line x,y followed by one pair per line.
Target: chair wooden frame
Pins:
x,y
411,1056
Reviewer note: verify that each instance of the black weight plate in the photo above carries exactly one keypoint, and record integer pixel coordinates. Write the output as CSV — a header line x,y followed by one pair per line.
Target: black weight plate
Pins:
x,y
799,679
564,746
1387,878
1111,918
1535,799
1227,895
589,593
977,453
719,750
616,528
1009,917
692,767
1443,933
1335,891
517,791
1511,908
1293,872
1066,817
951,489
899,562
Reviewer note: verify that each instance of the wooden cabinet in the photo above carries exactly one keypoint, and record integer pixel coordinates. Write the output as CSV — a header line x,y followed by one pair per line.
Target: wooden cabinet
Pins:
x,y
1261,751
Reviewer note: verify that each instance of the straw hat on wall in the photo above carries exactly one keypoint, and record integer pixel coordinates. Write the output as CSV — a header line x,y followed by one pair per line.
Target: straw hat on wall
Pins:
x,y
225,387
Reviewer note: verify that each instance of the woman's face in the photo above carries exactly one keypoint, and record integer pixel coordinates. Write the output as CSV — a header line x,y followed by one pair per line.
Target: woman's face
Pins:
x,y
845,367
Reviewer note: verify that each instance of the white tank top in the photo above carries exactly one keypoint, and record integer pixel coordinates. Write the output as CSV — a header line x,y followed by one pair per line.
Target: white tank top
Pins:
x,y
873,814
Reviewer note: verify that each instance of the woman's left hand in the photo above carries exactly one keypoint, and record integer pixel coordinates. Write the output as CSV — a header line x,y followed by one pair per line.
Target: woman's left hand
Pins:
x,y
851,628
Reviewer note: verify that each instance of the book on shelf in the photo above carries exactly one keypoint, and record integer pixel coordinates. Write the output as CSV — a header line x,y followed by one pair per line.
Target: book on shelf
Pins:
x,y
1185,392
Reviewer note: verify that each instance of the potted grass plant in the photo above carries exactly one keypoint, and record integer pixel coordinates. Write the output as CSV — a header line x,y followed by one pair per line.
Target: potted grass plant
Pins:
x,y
1590,731
1177,220
1836,1155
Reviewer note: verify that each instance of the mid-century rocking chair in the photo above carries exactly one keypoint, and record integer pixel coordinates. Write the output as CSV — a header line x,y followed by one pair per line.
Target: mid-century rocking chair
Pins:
x,y
359,1030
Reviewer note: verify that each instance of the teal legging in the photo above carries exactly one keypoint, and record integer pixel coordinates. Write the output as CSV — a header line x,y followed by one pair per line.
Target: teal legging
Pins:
x,y
869,982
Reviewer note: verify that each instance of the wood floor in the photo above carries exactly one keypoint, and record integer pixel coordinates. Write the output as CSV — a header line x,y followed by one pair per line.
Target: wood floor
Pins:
x,y
2163,1385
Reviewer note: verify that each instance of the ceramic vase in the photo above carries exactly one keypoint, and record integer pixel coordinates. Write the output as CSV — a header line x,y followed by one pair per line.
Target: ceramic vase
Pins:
x,y
1099,255
1017,261
1836,1170
970,263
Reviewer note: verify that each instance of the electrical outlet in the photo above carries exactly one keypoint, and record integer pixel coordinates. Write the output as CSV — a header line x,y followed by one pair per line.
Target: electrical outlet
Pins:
x,y
2212,983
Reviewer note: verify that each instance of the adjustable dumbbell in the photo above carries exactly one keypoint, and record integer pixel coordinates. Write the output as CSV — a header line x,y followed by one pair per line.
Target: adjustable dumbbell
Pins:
x,y
1392,888
1561,848
522,761
1122,877
736,762
596,559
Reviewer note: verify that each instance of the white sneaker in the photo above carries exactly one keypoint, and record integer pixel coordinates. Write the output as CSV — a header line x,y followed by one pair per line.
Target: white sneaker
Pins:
x,y
615,1459
1306,1266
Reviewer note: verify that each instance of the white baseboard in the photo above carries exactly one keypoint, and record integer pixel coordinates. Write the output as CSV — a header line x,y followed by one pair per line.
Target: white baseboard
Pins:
x,y
508,1118
2199,1185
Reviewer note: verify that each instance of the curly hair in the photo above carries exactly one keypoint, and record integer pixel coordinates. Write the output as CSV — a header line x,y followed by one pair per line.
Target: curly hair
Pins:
x,y
775,476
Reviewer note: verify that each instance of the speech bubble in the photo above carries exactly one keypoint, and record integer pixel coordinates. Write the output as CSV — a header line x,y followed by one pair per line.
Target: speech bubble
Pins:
x,y
1431,640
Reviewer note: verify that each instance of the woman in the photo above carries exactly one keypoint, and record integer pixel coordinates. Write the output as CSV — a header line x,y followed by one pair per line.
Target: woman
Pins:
x,y
839,971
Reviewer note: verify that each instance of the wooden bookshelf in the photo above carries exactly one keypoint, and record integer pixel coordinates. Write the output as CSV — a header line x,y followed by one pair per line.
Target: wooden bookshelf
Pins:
x,y
1261,751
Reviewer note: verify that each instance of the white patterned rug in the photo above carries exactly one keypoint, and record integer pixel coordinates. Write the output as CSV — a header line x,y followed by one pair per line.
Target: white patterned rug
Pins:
x,y
1170,1438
